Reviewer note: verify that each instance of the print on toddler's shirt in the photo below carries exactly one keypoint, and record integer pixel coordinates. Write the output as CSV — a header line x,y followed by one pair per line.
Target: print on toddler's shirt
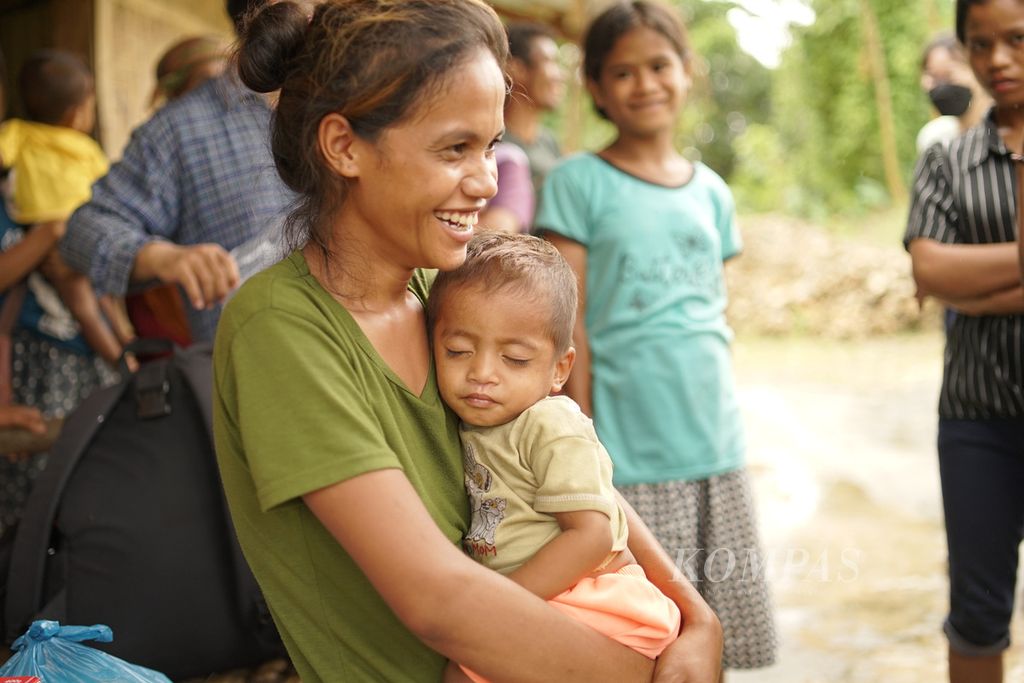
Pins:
x,y
487,512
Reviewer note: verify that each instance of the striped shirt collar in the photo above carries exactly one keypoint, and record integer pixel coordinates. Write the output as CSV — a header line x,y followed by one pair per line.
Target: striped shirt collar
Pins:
x,y
994,146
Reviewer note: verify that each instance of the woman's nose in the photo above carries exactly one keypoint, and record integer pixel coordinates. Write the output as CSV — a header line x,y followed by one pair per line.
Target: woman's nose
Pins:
x,y
482,181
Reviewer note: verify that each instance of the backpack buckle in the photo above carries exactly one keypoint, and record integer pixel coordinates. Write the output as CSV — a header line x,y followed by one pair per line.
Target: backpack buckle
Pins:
x,y
152,391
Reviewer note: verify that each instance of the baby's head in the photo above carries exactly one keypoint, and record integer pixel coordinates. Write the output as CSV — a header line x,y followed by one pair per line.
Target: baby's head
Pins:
x,y
501,326
57,88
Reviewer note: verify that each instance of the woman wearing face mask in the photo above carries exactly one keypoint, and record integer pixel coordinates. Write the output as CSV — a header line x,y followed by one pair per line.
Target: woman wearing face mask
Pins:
x,y
954,92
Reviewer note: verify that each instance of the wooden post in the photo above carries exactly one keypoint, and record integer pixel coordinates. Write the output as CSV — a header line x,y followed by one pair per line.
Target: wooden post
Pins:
x,y
130,36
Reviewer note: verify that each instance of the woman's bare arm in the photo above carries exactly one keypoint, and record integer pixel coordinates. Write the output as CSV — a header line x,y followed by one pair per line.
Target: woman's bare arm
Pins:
x,y
461,609
1020,218
1009,301
578,387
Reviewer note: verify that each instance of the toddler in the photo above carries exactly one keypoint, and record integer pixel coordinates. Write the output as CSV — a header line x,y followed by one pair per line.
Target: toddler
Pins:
x,y
544,512
54,163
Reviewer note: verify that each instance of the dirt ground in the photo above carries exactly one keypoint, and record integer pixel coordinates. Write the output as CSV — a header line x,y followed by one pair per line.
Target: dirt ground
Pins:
x,y
842,451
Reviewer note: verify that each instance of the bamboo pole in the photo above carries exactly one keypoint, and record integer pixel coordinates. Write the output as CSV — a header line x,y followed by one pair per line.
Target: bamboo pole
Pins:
x,y
883,101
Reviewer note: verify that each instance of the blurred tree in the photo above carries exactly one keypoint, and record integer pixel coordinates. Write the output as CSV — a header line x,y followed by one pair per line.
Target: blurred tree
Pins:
x,y
878,67
847,106
732,90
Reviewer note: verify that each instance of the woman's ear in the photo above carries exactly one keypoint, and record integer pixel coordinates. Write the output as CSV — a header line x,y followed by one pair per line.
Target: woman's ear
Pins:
x,y
338,146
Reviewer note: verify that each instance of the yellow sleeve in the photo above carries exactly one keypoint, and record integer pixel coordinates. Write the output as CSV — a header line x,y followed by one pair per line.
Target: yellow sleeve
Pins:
x,y
98,165
11,136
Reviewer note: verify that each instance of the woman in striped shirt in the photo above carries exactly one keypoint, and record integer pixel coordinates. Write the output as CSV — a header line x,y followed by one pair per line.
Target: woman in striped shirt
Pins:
x,y
962,239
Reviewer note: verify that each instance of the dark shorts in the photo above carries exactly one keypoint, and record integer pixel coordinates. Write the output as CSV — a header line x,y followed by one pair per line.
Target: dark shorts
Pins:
x,y
981,465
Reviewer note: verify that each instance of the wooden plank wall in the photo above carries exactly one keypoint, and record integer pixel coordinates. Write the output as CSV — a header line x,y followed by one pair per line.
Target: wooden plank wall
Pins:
x,y
29,26
129,37
121,40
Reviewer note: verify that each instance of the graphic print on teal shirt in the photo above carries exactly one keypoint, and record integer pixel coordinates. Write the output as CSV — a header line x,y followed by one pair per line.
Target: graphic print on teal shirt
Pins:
x,y
664,402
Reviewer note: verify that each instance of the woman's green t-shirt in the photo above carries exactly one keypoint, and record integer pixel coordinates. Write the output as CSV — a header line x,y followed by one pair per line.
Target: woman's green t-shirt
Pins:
x,y
302,401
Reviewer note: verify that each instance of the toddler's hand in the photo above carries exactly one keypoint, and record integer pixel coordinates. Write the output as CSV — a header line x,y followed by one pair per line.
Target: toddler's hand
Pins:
x,y
18,420
22,417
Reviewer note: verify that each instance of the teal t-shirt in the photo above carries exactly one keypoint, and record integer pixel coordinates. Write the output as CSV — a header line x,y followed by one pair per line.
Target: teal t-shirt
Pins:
x,y
663,394
302,400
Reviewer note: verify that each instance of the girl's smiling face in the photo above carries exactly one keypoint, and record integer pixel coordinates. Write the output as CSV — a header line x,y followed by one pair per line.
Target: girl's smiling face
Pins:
x,y
643,84
994,37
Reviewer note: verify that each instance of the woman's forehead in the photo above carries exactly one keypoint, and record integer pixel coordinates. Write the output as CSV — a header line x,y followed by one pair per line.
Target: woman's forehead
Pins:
x,y
473,88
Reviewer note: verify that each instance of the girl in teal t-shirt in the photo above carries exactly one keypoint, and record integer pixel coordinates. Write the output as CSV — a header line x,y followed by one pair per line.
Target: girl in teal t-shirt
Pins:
x,y
647,232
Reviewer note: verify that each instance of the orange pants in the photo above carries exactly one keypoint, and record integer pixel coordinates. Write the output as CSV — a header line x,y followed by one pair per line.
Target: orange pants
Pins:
x,y
624,606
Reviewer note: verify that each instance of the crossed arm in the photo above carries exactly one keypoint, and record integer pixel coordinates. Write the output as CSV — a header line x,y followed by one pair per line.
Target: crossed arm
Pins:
x,y
975,279
1020,218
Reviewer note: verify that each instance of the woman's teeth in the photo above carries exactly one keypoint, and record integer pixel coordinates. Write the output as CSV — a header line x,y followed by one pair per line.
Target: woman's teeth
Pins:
x,y
460,222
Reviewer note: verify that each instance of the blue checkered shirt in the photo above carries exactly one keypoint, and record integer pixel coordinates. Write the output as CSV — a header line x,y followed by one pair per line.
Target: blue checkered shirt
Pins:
x,y
199,171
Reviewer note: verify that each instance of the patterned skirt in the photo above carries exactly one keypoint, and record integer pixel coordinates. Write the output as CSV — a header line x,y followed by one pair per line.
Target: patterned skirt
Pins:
x,y
709,527
54,380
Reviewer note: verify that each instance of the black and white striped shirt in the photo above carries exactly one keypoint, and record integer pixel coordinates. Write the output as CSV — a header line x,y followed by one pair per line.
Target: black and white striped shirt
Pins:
x,y
968,196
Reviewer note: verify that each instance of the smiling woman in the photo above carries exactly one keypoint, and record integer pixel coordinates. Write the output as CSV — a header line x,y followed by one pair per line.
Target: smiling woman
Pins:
x,y
341,464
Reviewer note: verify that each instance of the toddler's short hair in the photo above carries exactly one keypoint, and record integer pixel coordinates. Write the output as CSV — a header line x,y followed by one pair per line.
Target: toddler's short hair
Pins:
x,y
522,264
52,83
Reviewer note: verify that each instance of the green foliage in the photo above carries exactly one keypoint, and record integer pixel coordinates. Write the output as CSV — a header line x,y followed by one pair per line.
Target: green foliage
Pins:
x,y
732,90
825,112
761,171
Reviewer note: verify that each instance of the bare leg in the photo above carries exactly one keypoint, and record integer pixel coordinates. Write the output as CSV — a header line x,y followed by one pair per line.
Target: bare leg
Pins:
x,y
77,294
964,669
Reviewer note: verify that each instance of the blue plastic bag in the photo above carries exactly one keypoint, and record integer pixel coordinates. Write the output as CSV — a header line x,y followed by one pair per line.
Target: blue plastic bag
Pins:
x,y
54,654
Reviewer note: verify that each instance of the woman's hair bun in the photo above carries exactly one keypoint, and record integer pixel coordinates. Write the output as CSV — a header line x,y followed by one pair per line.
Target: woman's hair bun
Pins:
x,y
270,41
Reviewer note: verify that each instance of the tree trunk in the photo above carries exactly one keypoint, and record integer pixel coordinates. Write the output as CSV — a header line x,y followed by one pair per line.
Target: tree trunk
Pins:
x,y
883,101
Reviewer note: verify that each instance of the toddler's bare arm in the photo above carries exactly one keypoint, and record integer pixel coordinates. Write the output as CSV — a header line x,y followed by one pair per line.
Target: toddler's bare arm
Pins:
x,y
585,542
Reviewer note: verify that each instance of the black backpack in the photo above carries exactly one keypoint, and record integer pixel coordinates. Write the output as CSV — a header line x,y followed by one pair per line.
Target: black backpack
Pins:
x,y
128,526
